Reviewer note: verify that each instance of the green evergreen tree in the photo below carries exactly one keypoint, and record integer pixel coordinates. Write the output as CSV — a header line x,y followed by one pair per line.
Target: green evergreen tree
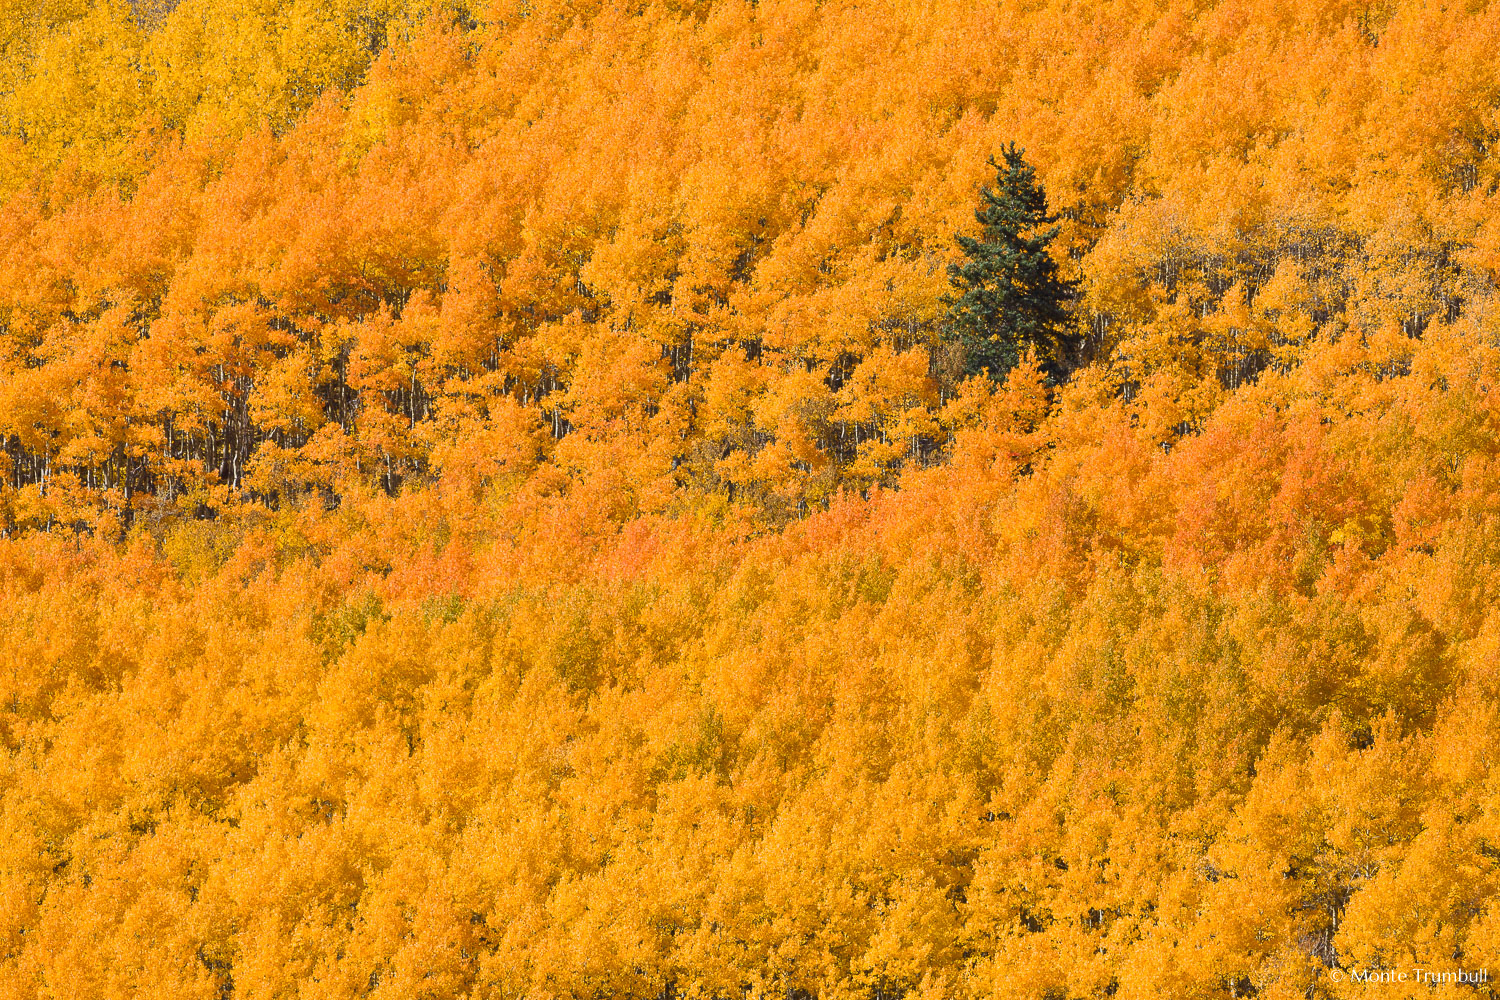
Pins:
x,y
1008,294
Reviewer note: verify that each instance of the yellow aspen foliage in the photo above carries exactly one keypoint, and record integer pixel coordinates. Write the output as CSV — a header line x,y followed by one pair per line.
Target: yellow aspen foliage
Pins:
x,y
495,501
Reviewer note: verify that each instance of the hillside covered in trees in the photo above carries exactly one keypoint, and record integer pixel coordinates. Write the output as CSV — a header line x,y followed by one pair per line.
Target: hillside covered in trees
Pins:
x,y
506,500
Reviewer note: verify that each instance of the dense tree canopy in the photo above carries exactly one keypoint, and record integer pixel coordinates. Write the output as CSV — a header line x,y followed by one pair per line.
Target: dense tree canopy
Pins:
x,y
490,506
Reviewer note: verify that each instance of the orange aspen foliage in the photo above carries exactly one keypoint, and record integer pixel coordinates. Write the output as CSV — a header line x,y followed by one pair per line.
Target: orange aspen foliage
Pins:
x,y
490,503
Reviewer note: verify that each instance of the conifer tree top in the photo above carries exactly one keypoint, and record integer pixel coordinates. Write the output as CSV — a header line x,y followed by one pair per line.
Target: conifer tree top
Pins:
x,y
1008,294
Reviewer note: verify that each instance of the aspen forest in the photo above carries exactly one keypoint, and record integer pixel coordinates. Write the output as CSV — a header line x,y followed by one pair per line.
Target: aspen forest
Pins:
x,y
749,499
